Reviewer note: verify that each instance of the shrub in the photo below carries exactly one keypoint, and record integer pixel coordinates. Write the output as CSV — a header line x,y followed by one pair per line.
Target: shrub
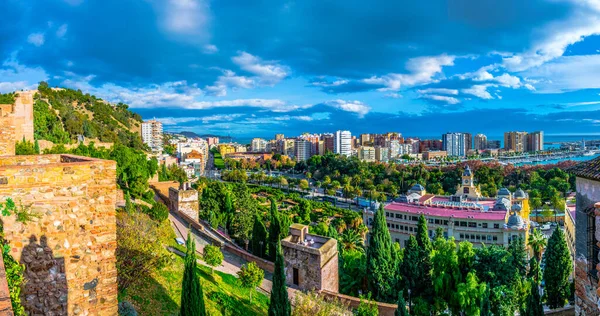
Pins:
x,y
159,212
127,309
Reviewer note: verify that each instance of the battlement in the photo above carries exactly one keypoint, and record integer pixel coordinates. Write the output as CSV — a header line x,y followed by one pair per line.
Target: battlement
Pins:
x,y
72,241
16,122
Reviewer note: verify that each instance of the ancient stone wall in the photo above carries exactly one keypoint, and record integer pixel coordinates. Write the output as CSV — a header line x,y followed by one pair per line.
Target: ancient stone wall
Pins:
x,y
586,291
69,250
184,201
317,268
16,122
7,136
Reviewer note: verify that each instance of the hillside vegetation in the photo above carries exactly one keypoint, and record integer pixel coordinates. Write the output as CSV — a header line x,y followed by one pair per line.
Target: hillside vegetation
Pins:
x,y
61,114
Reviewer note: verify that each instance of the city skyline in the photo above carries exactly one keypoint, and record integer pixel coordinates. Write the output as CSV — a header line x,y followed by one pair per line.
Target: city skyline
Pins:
x,y
245,70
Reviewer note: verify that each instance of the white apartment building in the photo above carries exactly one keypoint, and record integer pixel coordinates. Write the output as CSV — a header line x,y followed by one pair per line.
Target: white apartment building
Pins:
x,y
152,135
302,149
258,145
342,143
454,144
199,145
366,153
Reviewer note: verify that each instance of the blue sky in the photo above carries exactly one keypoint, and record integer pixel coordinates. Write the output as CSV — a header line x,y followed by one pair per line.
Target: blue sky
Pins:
x,y
255,68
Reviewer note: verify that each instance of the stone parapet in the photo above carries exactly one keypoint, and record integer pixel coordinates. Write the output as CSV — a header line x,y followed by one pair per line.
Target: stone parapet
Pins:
x,y
69,249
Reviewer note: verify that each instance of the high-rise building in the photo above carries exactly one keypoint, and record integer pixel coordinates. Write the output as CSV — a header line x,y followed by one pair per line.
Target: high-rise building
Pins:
x,y
468,141
343,143
302,149
152,135
212,140
535,141
382,154
515,141
493,144
279,136
328,140
258,145
365,139
454,144
480,142
366,153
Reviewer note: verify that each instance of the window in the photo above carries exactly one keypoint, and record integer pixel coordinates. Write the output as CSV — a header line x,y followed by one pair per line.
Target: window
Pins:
x,y
296,277
387,214
484,225
411,229
472,237
462,224
495,238
401,227
398,215
430,221
489,237
472,224
462,236
445,222
437,221
388,225
496,226
414,218
397,226
466,190
478,237
397,240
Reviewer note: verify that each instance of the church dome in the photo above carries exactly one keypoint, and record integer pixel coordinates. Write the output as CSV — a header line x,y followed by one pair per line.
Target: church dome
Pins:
x,y
517,207
520,194
504,192
502,204
515,222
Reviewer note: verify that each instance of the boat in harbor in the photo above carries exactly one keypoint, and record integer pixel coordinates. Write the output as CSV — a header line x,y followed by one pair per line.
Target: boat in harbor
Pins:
x,y
589,153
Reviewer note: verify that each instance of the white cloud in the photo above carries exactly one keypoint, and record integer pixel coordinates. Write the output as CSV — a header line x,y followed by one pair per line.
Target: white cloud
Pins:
x,y
552,39
62,31
188,19
335,83
350,106
289,118
421,70
393,95
210,49
438,91
442,98
268,72
479,91
14,76
229,80
566,73
203,119
36,39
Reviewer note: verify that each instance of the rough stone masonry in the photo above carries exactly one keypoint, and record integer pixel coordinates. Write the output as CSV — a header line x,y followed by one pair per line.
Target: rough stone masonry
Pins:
x,y
69,249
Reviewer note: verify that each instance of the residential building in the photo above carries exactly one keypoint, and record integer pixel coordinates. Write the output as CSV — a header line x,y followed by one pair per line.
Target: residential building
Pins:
x,y
279,136
454,144
152,135
434,155
328,141
289,147
468,141
199,145
535,141
225,149
493,144
382,154
258,145
212,141
394,149
587,236
343,143
430,145
480,142
515,141
302,149
366,153
365,140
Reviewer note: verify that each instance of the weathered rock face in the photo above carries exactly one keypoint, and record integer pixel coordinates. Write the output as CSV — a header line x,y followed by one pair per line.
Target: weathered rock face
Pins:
x,y
69,250
586,285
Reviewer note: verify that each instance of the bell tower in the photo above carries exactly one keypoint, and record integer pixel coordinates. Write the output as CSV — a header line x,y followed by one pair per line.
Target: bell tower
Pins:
x,y
467,177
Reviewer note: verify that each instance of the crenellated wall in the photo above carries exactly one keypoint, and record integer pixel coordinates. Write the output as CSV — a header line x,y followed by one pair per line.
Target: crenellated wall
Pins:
x,y
69,251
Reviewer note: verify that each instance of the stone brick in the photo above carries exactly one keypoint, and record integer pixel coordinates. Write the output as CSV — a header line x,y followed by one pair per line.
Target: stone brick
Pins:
x,y
184,200
62,253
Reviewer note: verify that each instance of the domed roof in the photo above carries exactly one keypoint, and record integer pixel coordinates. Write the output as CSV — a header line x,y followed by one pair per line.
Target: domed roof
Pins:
x,y
520,194
503,192
502,204
517,207
417,187
467,172
515,222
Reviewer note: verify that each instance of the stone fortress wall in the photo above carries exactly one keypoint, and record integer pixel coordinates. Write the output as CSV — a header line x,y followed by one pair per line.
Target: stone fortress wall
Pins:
x,y
16,122
69,250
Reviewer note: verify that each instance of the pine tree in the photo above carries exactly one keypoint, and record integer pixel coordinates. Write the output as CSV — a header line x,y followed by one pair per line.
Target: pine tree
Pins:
x,y
274,231
424,285
519,254
558,269
533,302
401,310
259,237
280,303
380,264
192,298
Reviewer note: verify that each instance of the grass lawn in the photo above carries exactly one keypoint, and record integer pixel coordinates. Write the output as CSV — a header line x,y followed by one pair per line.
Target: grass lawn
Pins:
x,y
218,160
160,293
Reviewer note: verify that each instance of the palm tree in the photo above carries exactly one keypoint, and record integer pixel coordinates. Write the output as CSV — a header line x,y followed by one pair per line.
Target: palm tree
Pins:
x,y
537,241
351,240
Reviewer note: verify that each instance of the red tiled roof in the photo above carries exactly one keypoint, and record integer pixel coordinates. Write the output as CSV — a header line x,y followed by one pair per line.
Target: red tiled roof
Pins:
x,y
588,169
446,212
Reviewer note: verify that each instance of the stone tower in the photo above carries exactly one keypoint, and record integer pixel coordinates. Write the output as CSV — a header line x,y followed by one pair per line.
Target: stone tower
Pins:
x,y
311,261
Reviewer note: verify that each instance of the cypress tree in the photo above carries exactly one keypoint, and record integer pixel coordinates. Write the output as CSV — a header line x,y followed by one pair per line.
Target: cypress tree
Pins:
x,y
259,237
410,266
380,280
280,303
558,269
129,208
519,254
424,284
37,147
401,310
274,231
486,307
192,298
534,302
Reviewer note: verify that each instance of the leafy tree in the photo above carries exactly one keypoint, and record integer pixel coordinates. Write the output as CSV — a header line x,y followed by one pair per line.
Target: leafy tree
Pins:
x,y
250,276
25,147
259,237
212,256
36,147
379,260
353,272
280,303
192,296
469,295
558,269
537,241
366,307
159,212
445,274
401,310
534,305
351,240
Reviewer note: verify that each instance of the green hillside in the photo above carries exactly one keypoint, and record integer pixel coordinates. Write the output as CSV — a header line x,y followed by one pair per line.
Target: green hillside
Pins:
x,y
61,114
